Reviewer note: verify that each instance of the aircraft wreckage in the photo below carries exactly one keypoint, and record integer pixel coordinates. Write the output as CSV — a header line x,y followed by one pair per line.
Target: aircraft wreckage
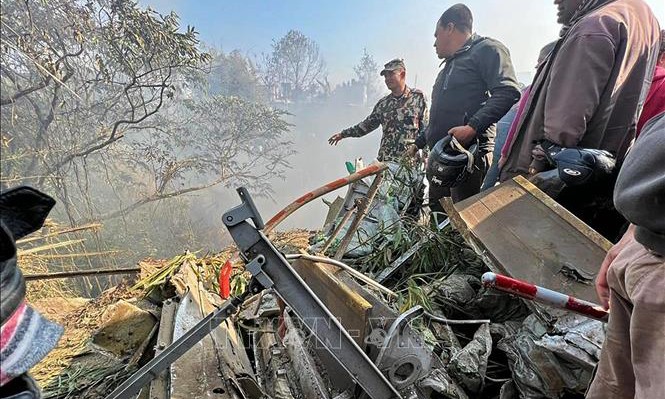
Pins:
x,y
307,325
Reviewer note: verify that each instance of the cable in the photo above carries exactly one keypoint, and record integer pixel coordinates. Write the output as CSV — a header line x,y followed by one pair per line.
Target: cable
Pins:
x,y
353,272
449,321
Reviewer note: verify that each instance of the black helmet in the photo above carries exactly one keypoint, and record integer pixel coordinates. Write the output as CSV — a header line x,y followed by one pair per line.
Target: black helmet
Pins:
x,y
577,166
449,163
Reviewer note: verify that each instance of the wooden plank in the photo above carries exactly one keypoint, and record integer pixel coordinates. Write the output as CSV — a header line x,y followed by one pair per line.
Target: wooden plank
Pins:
x,y
569,217
349,307
521,232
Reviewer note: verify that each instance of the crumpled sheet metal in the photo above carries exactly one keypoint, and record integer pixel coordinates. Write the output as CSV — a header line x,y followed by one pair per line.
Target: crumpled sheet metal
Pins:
x,y
462,290
557,344
469,365
273,365
440,382
457,288
537,371
576,339
393,195
582,332
217,363
311,381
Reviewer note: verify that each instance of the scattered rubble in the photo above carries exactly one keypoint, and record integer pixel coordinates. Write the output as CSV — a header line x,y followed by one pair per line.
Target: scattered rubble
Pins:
x,y
498,349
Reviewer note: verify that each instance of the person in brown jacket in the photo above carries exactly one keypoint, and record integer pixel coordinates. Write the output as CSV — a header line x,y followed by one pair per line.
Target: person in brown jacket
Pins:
x,y
588,94
631,280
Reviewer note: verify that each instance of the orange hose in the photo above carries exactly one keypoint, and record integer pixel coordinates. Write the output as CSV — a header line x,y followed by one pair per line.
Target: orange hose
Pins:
x,y
332,186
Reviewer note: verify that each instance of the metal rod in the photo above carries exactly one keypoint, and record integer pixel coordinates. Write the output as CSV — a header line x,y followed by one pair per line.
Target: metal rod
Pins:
x,y
339,226
455,322
360,214
274,271
78,273
545,296
325,189
159,363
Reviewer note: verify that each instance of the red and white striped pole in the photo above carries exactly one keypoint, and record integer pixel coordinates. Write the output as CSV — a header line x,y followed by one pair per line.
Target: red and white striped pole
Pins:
x,y
543,295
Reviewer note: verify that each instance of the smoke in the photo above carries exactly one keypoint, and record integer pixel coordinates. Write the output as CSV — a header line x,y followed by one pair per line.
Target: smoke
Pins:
x,y
314,164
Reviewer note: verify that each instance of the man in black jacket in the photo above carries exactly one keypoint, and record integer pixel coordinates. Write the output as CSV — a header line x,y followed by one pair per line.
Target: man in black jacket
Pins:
x,y
476,88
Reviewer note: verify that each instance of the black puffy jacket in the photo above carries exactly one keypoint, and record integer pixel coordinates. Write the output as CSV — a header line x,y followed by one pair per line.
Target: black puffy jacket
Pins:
x,y
477,86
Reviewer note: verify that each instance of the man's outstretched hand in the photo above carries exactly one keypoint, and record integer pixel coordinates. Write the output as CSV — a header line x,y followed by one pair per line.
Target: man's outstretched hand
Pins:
x,y
335,138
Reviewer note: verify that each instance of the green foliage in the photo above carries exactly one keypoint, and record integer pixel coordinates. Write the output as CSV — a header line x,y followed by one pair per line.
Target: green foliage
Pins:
x,y
76,78
414,294
436,255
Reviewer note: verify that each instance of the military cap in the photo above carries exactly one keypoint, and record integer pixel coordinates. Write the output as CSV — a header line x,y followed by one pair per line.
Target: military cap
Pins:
x,y
393,65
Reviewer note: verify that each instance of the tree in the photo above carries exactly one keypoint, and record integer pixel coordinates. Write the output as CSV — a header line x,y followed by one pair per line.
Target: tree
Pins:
x,y
233,74
367,72
104,105
295,69
208,141
77,78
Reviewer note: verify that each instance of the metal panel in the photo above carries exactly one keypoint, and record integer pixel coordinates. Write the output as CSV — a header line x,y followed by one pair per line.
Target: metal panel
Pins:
x,y
523,233
159,388
351,309
276,271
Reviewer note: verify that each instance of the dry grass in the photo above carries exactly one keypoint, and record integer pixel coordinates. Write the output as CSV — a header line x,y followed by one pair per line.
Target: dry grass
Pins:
x,y
56,248
40,289
154,273
79,325
61,375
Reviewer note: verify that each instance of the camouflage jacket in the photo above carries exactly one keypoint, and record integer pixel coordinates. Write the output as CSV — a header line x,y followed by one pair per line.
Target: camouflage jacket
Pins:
x,y
401,118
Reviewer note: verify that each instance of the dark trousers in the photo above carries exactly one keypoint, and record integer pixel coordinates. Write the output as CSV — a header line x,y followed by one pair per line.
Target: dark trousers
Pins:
x,y
470,187
594,205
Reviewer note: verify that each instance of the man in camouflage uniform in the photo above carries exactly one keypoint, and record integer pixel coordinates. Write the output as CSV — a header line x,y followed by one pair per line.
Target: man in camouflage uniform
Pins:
x,y
402,115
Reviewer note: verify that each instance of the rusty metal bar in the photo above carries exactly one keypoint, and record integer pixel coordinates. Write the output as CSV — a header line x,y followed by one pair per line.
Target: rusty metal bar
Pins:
x,y
325,189
360,214
78,273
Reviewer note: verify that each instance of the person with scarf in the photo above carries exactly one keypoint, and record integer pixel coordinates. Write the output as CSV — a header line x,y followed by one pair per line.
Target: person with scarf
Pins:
x,y
588,94
26,337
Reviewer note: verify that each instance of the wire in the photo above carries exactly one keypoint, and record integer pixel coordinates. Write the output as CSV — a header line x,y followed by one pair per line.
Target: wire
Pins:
x,y
449,321
345,267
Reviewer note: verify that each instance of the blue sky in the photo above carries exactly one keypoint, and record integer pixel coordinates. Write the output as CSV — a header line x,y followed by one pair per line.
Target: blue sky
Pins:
x,y
388,28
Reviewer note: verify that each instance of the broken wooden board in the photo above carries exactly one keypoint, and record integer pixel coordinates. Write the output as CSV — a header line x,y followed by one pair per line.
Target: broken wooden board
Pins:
x,y
523,233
